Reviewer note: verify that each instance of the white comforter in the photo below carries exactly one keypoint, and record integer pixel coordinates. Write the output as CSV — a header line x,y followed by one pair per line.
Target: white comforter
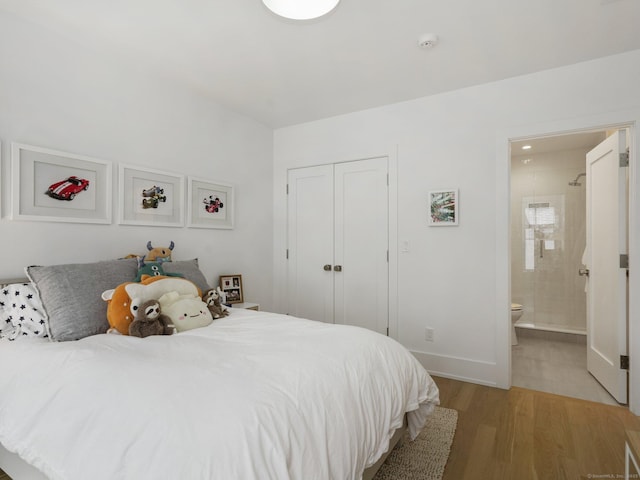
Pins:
x,y
253,396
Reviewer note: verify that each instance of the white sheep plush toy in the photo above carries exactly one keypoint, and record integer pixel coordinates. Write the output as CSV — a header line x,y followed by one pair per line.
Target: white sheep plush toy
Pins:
x,y
187,311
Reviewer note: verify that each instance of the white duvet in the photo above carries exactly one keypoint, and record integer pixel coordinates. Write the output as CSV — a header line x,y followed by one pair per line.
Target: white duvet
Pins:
x,y
253,396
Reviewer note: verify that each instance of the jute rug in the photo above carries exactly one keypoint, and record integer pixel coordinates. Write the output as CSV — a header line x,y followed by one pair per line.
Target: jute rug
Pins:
x,y
425,457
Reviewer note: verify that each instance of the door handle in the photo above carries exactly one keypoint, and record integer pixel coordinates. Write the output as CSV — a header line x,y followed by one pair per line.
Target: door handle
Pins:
x,y
327,268
337,268
583,272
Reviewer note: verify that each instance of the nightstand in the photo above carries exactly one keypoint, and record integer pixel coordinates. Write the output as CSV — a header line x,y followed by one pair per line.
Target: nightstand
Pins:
x,y
246,305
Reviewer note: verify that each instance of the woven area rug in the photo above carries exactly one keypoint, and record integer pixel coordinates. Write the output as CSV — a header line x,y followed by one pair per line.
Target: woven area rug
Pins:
x,y
425,457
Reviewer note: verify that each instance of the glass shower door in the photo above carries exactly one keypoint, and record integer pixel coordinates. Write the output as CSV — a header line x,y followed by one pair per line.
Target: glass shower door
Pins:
x,y
544,234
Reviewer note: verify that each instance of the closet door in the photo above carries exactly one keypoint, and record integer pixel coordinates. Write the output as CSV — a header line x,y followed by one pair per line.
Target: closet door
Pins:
x,y
310,243
361,244
338,269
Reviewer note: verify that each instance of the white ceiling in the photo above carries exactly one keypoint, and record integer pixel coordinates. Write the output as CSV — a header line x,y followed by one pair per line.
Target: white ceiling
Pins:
x,y
558,143
364,54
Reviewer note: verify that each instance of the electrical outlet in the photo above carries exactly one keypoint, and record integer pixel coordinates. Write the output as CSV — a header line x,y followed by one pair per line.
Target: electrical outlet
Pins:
x,y
428,334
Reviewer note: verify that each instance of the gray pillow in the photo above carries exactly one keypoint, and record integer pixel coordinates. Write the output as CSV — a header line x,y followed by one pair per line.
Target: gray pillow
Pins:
x,y
190,270
72,295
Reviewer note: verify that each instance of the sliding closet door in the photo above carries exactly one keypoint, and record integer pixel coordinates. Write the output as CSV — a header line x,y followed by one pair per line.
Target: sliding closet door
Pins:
x,y
361,244
310,243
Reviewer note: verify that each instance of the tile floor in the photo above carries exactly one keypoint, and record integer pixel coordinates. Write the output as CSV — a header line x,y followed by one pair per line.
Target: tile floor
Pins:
x,y
555,364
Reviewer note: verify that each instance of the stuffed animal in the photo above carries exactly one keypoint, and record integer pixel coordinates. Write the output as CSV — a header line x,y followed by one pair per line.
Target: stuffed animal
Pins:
x,y
153,269
212,298
124,300
186,311
149,321
158,254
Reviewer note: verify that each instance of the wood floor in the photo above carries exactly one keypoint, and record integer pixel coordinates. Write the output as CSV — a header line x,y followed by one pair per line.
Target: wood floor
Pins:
x,y
523,434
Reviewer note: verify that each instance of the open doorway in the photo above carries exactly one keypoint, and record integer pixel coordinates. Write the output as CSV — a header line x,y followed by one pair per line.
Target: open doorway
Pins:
x,y
548,240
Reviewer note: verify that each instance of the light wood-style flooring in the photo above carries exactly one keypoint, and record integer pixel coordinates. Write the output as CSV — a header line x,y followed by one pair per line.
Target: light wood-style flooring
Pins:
x,y
523,434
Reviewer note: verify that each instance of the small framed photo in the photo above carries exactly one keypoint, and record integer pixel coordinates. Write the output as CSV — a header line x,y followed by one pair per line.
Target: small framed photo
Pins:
x,y
151,197
443,208
55,186
209,204
231,286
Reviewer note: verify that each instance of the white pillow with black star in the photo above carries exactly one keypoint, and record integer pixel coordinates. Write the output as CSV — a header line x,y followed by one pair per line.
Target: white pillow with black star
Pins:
x,y
21,312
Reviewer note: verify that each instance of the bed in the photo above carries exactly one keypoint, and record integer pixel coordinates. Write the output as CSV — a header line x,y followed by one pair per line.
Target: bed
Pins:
x,y
254,395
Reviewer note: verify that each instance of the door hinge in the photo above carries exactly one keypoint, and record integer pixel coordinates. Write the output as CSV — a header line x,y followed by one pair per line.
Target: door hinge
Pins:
x,y
624,362
287,254
287,189
624,260
387,331
387,256
624,159
387,179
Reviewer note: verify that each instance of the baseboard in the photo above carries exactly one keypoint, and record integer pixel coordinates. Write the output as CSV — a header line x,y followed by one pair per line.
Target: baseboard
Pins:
x,y
457,368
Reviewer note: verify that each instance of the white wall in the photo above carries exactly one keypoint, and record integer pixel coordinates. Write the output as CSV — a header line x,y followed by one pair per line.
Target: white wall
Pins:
x,y
57,94
455,279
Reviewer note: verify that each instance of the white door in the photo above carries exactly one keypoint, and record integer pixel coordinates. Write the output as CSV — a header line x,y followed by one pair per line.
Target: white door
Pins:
x,y
607,282
337,243
361,244
310,243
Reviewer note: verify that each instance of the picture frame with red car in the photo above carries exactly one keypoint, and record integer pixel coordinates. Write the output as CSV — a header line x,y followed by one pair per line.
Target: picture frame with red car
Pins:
x,y
55,186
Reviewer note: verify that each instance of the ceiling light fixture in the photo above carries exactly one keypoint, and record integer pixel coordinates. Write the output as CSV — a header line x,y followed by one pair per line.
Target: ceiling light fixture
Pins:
x,y
526,147
301,10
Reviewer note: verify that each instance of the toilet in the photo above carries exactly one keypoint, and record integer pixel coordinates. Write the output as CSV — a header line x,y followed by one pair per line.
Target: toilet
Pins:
x,y
516,312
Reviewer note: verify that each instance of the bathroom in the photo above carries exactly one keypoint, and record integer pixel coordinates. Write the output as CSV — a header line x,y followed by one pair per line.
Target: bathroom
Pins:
x,y
548,238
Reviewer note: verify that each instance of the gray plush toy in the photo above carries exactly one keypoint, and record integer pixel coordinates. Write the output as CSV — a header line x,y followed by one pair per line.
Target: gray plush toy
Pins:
x,y
149,321
212,298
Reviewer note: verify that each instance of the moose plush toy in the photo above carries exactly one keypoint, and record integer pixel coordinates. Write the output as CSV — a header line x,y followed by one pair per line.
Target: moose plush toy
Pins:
x,y
149,321
158,254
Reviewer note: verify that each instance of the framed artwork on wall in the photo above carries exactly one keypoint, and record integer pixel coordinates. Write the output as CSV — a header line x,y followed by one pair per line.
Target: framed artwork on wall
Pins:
x,y
231,286
443,207
151,197
209,204
54,186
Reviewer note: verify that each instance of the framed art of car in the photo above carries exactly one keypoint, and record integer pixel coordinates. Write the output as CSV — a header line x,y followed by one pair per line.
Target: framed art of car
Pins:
x,y
68,189
55,186
150,197
218,200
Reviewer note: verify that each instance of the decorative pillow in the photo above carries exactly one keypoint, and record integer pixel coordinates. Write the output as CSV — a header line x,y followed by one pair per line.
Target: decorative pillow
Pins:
x,y
124,300
189,270
185,311
21,312
71,295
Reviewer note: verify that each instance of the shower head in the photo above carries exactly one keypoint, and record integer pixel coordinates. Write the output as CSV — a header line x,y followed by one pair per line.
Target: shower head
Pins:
x,y
575,182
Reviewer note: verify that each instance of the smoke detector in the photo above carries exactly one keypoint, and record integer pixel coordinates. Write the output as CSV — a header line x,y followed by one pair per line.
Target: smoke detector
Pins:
x,y
428,40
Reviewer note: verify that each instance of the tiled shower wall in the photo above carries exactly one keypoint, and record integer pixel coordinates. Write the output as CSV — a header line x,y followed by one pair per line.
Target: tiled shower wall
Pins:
x,y
548,220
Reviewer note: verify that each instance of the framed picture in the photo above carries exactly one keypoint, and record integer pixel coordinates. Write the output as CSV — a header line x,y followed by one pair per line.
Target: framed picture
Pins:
x,y
443,207
151,197
57,186
231,285
209,204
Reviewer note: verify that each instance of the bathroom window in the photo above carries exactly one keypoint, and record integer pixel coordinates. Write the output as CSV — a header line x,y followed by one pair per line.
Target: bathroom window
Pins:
x,y
540,215
541,223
